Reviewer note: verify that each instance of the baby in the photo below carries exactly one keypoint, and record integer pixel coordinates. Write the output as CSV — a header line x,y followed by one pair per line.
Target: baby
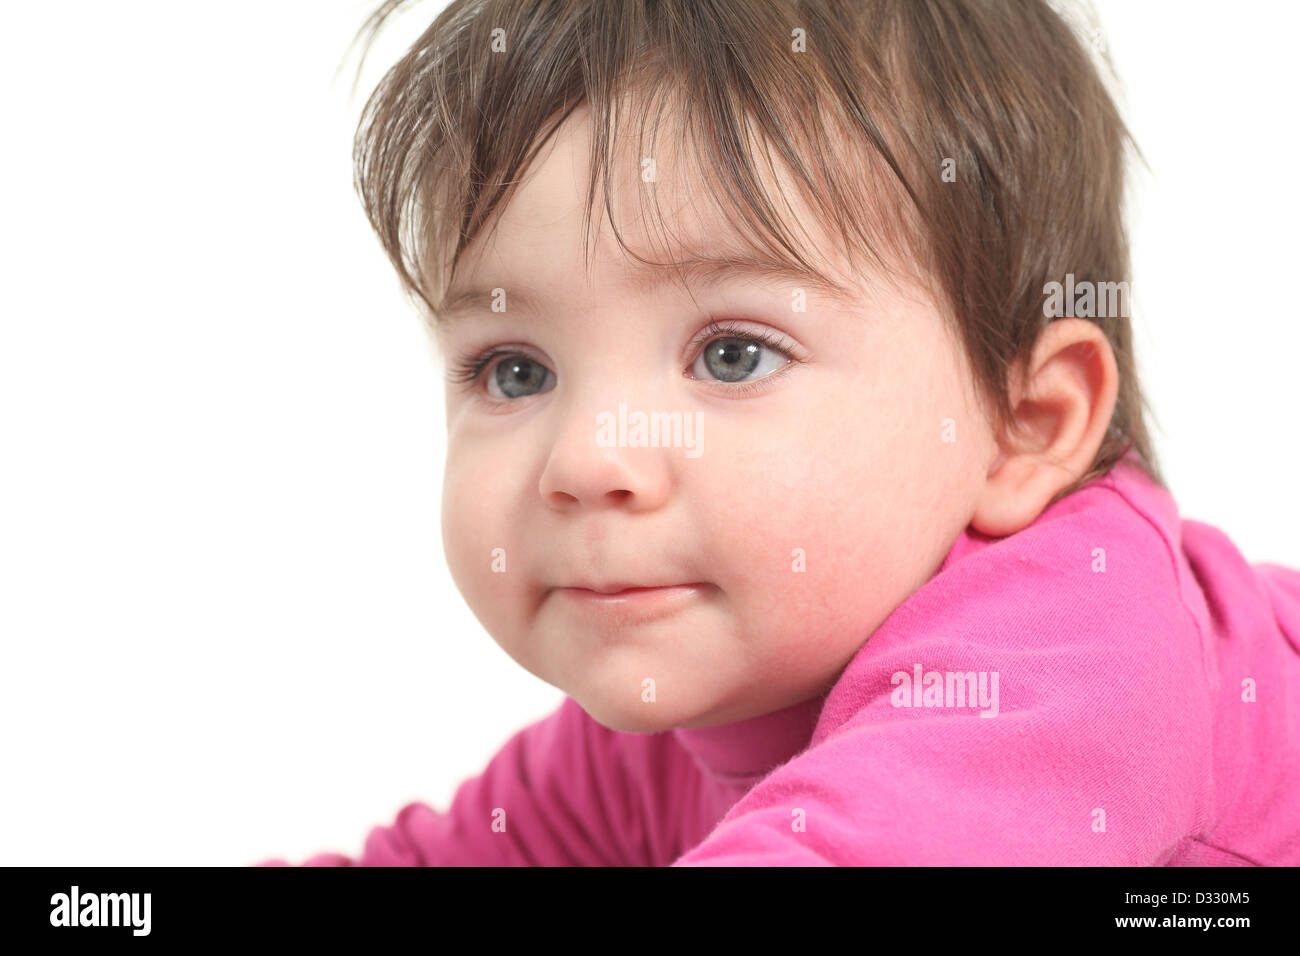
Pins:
x,y
794,433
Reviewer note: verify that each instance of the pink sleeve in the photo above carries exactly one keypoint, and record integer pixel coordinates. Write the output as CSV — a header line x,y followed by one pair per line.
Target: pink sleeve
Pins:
x,y
554,795
1100,752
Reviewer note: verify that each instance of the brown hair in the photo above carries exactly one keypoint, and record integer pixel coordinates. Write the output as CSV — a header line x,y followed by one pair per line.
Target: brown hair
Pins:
x,y
882,97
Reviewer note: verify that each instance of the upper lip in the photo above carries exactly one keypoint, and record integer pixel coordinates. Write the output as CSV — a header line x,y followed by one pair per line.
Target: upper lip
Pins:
x,y
617,586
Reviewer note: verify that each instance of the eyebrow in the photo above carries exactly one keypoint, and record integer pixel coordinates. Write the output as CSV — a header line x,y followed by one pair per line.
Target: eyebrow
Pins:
x,y
461,303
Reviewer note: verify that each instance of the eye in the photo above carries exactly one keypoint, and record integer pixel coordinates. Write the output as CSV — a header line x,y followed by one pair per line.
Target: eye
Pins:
x,y
518,376
736,355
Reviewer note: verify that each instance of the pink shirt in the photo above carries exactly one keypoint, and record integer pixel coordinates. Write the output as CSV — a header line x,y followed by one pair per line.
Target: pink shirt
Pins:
x,y
1140,705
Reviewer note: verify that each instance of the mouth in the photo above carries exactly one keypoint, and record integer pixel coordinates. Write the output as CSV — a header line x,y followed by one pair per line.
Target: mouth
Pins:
x,y
620,587
625,600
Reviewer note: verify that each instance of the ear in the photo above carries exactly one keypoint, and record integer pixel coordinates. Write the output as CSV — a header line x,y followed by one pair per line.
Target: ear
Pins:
x,y
1062,401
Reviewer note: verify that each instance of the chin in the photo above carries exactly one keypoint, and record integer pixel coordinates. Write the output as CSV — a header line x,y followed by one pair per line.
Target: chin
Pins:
x,y
635,717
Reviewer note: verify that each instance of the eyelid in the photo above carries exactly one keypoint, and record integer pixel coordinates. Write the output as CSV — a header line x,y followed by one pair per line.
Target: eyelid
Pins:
x,y
727,328
754,386
468,367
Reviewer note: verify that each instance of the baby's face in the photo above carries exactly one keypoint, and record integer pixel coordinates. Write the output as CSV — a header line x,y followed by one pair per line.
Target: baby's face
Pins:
x,y
818,479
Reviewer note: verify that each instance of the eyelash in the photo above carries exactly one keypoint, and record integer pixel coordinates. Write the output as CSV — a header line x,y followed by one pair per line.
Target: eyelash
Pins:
x,y
468,369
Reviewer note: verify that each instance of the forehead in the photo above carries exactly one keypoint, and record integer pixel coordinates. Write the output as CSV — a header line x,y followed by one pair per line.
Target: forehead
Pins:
x,y
663,211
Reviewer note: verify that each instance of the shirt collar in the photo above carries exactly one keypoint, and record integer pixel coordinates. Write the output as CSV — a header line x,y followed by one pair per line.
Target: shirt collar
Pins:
x,y
744,752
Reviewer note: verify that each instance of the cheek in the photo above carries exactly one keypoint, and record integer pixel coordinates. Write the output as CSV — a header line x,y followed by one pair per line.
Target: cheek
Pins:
x,y
465,537
919,448
827,527
483,555
791,518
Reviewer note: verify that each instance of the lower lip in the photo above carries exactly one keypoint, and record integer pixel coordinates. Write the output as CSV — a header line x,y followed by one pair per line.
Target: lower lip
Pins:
x,y
633,602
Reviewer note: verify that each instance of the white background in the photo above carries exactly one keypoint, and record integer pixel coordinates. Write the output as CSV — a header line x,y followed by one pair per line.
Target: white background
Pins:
x,y
227,629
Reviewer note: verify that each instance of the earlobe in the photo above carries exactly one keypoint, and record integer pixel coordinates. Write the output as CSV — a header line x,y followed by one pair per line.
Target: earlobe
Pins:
x,y
1016,492
1060,419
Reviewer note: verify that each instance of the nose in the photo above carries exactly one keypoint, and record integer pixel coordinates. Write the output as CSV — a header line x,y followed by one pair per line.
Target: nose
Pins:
x,y
582,472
